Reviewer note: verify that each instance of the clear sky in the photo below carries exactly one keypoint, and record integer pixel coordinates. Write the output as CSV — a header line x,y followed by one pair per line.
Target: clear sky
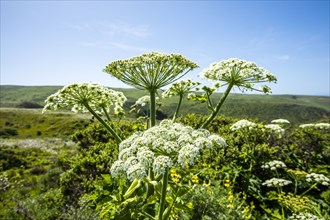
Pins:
x,y
62,42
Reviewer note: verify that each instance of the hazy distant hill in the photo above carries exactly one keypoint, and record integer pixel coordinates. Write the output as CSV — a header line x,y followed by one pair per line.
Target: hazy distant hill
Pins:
x,y
296,108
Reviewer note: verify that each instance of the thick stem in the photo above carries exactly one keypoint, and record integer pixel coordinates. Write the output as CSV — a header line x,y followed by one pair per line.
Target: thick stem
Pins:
x,y
163,196
114,134
217,108
152,107
177,108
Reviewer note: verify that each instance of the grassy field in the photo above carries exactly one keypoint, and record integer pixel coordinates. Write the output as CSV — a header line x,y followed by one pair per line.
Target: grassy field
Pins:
x,y
296,108
30,123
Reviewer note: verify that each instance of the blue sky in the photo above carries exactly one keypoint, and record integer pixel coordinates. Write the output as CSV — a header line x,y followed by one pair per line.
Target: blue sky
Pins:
x,y
62,42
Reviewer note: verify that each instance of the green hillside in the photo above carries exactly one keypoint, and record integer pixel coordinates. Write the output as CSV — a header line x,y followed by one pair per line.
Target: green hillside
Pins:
x,y
296,108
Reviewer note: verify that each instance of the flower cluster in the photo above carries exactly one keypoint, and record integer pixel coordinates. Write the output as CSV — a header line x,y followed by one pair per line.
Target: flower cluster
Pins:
x,y
296,203
275,128
150,71
80,97
318,178
180,88
161,147
4,182
144,100
274,165
316,126
280,121
304,216
276,182
242,124
240,73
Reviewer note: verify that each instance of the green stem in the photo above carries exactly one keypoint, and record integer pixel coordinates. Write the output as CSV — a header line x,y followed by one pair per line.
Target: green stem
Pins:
x,y
163,196
177,108
114,134
152,107
309,189
217,108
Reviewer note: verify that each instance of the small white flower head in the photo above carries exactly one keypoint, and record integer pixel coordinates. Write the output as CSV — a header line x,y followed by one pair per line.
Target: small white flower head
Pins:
x,y
117,168
280,121
180,88
276,182
243,73
162,163
188,154
217,140
146,156
304,216
275,128
243,124
136,171
274,165
318,178
80,96
145,100
321,126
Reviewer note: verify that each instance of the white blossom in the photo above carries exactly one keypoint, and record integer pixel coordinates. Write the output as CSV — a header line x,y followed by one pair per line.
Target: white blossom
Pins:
x,y
318,178
276,182
144,100
180,88
241,73
275,128
150,71
280,121
304,216
323,126
273,165
80,96
162,147
242,124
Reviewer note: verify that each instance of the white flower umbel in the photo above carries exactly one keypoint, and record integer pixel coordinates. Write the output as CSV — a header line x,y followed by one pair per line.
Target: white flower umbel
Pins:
x,y
241,73
304,216
275,128
280,121
162,147
274,165
318,178
323,126
276,182
234,73
144,100
78,96
243,124
151,72
180,87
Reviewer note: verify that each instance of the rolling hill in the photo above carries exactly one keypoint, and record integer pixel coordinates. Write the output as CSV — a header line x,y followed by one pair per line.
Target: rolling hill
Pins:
x,y
296,108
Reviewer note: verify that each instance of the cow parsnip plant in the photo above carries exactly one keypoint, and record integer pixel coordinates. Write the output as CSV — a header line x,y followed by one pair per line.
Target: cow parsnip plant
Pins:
x,y
98,100
235,73
146,157
151,72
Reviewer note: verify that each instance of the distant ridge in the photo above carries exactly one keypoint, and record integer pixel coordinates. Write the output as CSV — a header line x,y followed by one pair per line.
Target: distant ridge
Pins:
x,y
296,108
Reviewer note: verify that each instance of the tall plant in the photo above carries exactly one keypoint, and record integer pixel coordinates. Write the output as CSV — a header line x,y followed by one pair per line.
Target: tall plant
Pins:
x,y
234,73
150,72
